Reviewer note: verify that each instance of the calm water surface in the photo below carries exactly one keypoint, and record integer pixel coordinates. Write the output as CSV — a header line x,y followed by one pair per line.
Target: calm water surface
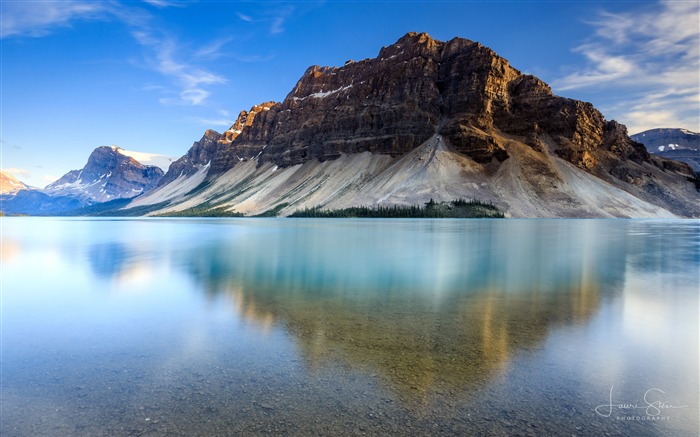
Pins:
x,y
185,327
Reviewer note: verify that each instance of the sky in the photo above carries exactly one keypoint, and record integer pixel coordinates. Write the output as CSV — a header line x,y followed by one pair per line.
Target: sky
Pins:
x,y
151,76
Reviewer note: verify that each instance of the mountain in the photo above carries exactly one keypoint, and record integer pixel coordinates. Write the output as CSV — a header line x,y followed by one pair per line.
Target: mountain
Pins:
x,y
9,184
18,198
677,144
108,174
424,120
34,201
200,155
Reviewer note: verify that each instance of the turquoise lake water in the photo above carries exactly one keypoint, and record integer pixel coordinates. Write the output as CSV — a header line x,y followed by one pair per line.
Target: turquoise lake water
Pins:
x,y
199,327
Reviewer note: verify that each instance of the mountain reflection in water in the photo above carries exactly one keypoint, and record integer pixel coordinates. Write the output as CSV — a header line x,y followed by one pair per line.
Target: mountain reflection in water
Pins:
x,y
426,314
337,327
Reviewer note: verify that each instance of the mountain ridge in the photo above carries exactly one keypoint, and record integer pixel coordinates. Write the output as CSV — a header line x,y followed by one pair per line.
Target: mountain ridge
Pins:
x,y
424,119
10,184
110,173
436,119
673,143
107,175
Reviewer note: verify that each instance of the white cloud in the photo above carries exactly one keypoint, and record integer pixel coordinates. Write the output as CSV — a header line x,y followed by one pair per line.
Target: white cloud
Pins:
x,y
165,56
188,77
36,19
212,51
19,173
279,19
162,161
160,3
672,109
607,68
213,122
252,58
653,54
49,179
246,18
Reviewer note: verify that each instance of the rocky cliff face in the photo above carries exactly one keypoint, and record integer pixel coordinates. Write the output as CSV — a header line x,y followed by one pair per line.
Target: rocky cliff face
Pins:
x,y
211,145
506,129
198,156
107,175
419,87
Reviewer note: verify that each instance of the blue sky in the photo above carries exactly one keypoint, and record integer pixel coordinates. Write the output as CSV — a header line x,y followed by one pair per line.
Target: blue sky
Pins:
x,y
151,76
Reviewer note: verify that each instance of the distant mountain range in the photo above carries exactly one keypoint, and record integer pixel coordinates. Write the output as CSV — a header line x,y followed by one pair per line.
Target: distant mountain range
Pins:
x,y
423,120
110,173
677,144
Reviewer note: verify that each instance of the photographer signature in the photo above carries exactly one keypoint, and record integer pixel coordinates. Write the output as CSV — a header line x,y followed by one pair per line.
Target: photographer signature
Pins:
x,y
652,408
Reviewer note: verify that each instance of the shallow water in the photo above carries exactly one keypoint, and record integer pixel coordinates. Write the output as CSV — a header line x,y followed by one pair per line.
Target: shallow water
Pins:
x,y
184,327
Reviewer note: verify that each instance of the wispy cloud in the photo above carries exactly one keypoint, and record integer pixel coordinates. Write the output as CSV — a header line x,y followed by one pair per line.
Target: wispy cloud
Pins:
x,y
163,58
279,18
246,18
185,70
606,68
163,3
38,18
654,54
274,19
19,173
213,50
252,58
212,122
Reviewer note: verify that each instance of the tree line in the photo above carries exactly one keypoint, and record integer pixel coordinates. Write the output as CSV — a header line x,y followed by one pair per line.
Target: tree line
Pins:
x,y
459,208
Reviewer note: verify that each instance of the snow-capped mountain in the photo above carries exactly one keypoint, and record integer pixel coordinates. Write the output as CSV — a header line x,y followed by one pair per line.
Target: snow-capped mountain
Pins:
x,y
677,144
109,174
665,139
17,197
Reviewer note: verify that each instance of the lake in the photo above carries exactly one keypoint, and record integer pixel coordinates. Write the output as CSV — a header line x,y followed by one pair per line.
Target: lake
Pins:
x,y
199,327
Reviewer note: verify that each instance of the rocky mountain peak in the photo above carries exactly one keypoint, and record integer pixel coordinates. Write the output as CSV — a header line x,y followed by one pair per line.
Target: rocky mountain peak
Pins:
x,y
390,104
245,118
10,184
198,156
413,89
211,134
412,44
204,151
107,175
420,96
